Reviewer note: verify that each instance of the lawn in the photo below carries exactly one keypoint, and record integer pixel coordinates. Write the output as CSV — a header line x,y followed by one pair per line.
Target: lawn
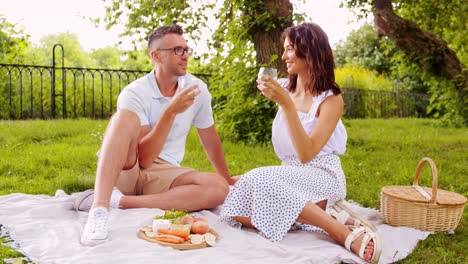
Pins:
x,y
39,157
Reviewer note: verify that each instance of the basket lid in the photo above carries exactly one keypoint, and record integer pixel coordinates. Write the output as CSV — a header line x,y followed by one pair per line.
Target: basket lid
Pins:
x,y
409,193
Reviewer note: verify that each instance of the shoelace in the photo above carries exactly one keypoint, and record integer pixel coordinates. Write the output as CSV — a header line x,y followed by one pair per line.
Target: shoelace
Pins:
x,y
98,221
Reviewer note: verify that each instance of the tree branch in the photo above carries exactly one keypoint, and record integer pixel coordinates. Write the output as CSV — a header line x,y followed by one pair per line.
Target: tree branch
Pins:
x,y
424,47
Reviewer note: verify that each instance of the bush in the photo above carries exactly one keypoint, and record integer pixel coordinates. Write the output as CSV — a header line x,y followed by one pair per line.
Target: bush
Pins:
x,y
241,112
362,78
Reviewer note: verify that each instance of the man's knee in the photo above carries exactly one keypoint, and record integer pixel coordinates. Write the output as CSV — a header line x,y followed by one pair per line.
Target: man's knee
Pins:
x,y
219,189
124,123
126,117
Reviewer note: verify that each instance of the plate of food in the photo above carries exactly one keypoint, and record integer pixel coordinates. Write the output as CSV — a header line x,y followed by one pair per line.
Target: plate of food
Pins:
x,y
179,230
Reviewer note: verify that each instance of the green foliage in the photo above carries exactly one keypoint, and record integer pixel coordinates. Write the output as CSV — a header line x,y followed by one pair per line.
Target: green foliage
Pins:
x,y
89,92
13,42
241,113
356,76
368,95
60,154
74,54
137,59
141,17
445,19
232,57
363,47
106,58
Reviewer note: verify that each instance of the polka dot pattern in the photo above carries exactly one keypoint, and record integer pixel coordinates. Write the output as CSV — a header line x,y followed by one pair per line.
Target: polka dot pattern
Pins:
x,y
273,197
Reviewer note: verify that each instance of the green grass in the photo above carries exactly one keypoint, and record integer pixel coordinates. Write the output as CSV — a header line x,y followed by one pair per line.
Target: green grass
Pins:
x,y
39,157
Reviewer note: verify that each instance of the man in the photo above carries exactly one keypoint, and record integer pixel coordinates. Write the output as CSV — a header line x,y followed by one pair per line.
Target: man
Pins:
x,y
144,143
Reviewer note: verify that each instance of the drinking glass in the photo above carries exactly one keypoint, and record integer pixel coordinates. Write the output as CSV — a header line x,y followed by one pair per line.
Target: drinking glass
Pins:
x,y
181,82
267,71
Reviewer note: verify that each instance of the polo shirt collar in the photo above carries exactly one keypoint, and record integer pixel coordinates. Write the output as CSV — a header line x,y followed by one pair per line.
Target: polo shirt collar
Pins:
x,y
156,93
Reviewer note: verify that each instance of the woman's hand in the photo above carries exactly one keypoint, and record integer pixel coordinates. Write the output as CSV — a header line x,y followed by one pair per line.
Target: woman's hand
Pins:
x,y
271,89
234,179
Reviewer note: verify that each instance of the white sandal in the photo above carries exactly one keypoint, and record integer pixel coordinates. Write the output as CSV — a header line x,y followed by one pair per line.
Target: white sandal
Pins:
x,y
368,236
342,213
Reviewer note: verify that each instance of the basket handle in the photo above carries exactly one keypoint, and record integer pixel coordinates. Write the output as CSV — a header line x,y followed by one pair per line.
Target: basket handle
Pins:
x,y
434,179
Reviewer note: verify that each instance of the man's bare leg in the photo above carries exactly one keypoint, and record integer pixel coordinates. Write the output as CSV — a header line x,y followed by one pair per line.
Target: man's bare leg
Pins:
x,y
118,151
191,191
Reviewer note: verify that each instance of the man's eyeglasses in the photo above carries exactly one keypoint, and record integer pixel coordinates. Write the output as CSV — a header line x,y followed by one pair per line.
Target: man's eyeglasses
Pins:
x,y
179,51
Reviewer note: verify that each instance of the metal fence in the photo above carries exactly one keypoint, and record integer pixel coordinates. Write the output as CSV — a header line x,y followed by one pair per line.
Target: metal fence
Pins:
x,y
56,91
361,103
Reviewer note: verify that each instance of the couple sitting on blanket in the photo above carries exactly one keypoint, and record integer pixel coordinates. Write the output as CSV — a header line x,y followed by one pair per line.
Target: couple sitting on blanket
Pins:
x,y
144,144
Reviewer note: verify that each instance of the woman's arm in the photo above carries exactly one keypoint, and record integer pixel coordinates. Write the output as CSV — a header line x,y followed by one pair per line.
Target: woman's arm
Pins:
x,y
308,146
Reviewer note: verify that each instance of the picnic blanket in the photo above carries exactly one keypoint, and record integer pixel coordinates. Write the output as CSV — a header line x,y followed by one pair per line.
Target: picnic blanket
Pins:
x,y
46,230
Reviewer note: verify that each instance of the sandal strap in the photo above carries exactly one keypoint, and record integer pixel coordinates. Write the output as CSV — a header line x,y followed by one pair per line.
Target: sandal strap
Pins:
x,y
359,221
352,237
343,216
340,216
365,241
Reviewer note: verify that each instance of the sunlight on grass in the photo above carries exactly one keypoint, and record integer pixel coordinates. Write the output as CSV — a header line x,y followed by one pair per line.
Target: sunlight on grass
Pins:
x,y
39,157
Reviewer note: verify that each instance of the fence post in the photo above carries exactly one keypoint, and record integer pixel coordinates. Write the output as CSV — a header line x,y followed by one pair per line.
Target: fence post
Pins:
x,y
52,87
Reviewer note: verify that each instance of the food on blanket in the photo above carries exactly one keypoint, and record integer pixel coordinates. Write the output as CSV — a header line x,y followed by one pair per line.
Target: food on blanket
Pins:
x,y
161,224
179,233
173,239
180,230
172,215
197,239
169,239
210,239
200,227
146,229
185,228
151,234
186,220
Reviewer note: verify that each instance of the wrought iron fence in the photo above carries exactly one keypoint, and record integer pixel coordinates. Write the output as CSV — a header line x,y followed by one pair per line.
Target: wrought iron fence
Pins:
x,y
361,103
32,91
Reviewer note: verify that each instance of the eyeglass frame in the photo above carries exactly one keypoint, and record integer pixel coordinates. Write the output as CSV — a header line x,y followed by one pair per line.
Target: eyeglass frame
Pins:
x,y
187,50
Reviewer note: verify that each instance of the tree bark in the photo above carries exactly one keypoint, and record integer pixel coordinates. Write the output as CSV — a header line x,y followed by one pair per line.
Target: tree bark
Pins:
x,y
424,47
267,41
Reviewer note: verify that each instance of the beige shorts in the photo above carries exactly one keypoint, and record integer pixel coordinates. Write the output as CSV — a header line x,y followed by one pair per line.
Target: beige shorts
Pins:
x,y
155,179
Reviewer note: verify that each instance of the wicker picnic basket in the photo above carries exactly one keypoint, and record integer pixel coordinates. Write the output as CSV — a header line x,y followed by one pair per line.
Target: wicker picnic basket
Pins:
x,y
413,206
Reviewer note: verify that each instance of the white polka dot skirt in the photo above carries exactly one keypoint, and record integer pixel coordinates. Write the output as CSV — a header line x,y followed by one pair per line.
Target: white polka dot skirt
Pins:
x,y
273,197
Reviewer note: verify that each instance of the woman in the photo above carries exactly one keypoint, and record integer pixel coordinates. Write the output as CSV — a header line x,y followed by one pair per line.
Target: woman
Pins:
x,y
307,136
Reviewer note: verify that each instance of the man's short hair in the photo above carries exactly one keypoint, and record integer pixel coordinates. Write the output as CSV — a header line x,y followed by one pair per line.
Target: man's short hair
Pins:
x,y
162,31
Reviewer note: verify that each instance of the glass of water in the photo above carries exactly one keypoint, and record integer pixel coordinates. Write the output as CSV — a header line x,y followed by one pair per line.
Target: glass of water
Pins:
x,y
182,82
272,72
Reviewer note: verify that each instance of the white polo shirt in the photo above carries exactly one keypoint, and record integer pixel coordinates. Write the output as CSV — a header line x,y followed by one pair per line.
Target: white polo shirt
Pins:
x,y
144,98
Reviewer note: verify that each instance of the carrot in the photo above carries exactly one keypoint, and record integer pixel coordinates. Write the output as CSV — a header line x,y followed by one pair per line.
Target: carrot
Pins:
x,y
178,233
169,238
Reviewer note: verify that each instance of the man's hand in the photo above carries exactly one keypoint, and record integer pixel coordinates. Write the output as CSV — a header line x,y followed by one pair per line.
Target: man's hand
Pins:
x,y
183,99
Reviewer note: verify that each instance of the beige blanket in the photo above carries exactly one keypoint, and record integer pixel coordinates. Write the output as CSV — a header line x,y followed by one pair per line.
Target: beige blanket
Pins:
x,y
46,230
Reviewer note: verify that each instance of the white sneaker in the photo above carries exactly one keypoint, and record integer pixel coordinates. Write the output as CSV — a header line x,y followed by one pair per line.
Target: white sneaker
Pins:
x,y
84,201
95,231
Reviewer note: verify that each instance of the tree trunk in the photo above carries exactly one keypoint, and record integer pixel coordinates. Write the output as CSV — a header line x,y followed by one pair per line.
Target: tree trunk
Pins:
x,y
267,41
424,47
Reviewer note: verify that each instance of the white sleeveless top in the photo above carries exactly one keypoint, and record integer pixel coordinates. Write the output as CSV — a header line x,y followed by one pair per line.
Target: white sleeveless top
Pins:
x,y
282,141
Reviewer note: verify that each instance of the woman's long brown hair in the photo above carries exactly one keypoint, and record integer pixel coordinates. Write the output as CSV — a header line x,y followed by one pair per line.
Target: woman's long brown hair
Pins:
x,y
311,42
